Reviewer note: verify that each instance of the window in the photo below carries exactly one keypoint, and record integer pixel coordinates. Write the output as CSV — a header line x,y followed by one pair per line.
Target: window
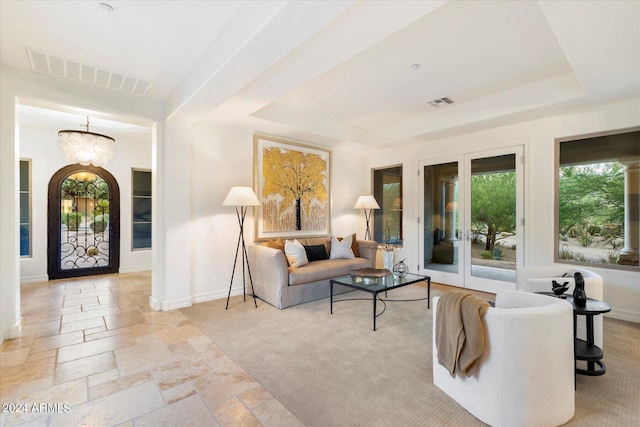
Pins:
x,y
141,209
387,190
25,208
598,200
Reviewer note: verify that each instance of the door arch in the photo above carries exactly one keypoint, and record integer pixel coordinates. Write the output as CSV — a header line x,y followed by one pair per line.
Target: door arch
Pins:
x,y
83,222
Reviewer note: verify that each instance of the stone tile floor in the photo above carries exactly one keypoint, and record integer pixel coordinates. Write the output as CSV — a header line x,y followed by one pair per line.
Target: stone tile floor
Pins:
x,y
92,352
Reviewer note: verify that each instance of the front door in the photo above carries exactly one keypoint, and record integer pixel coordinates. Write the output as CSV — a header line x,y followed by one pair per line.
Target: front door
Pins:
x,y
84,222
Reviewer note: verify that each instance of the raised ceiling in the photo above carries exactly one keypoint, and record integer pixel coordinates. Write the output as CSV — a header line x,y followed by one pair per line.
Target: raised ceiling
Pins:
x,y
359,71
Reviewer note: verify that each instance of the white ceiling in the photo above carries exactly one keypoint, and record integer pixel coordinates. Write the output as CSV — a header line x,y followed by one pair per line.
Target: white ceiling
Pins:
x,y
344,70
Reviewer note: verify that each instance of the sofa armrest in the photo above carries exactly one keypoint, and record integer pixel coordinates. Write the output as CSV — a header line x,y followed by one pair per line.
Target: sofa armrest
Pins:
x,y
368,249
269,266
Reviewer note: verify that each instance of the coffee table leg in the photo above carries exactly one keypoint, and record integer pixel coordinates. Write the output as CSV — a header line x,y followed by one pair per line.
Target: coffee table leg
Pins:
x,y
374,311
331,296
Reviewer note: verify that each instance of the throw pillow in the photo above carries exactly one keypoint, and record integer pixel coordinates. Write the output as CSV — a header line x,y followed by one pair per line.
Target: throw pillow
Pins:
x,y
276,244
354,245
341,248
316,252
295,253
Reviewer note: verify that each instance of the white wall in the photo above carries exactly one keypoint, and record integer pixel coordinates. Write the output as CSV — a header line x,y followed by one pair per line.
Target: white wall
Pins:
x,y
622,288
222,157
40,145
36,89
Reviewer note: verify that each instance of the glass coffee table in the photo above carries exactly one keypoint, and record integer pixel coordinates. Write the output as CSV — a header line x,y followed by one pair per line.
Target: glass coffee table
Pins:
x,y
377,285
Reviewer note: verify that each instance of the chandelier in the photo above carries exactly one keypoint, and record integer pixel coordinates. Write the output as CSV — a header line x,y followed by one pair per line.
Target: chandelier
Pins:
x,y
86,148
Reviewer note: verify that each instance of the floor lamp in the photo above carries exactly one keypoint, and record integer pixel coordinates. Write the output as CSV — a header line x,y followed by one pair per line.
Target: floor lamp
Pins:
x,y
241,198
367,204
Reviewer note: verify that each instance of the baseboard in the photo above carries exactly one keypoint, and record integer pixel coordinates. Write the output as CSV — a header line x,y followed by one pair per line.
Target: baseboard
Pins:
x,y
622,314
169,305
12,332
34,279
134,269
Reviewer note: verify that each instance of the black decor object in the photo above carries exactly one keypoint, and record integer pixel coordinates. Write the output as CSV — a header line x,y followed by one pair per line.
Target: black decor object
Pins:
x,y
559,289
579,294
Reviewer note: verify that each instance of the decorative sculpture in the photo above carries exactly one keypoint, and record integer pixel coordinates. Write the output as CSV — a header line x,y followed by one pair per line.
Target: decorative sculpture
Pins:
x,y
559,289
400,269
579,294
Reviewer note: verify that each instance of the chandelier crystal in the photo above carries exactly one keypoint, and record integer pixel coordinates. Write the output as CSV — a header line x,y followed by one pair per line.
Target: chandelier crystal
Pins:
x,y
86,148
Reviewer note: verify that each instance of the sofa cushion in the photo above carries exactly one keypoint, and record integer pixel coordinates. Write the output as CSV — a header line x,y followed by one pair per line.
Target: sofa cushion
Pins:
x,y
316,252
321,270
296,255
341,248
276,244
354,245
312,241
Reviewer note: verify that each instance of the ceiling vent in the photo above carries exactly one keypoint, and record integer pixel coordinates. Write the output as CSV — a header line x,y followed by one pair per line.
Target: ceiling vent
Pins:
x,y
440,102
74,70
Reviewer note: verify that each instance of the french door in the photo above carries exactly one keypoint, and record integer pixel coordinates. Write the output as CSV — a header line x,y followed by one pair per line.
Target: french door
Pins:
x,y
472,227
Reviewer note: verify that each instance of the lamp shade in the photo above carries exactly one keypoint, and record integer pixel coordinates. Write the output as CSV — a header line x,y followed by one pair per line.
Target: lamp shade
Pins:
x,y
241,196
366,202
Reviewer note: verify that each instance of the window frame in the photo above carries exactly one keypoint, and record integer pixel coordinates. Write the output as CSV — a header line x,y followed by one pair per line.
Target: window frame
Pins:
x,y
378,214
133,199
29,192
556,219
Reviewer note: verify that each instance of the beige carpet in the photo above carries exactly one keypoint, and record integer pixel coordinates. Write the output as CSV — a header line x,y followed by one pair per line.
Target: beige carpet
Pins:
x,y
333,370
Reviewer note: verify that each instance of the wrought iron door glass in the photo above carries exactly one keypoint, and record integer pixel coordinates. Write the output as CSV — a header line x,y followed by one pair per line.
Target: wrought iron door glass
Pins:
x,y
84,225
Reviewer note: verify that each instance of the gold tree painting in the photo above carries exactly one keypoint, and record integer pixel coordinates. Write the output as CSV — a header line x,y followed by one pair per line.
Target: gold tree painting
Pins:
x,y
293,187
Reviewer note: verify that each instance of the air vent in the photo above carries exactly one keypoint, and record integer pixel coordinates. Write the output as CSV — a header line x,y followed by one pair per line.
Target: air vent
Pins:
x,y
441,101
54,65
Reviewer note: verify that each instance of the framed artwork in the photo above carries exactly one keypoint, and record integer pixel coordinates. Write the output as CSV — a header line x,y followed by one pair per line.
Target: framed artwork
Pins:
x,y
292,182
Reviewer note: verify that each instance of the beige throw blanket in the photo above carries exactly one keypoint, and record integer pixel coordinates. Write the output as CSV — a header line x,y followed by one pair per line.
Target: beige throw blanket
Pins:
x,y
460,331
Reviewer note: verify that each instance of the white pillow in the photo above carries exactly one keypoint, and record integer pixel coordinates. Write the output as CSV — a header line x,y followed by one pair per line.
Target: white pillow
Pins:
x,y
295,253
341,249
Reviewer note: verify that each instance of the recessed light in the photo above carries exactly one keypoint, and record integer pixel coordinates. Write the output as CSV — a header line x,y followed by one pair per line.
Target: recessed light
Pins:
x,y
106,7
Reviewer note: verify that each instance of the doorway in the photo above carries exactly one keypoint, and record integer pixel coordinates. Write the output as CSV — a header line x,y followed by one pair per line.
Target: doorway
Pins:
x,y
83,222
472,208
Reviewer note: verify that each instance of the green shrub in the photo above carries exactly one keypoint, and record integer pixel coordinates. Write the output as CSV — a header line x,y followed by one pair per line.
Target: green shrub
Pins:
x,y
496,254
585,240
100,223
610,258
593,230
486,255
566,253
72,220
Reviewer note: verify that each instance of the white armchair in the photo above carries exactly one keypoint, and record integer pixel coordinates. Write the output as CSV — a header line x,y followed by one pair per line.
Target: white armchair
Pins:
x,y
538,279
525,376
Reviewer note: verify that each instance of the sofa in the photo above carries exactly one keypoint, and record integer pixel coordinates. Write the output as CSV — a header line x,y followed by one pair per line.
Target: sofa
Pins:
x,y
525,376
282,285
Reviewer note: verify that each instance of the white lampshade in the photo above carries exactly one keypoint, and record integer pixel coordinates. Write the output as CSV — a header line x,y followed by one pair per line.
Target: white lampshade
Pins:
x,y
241,196
366,202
